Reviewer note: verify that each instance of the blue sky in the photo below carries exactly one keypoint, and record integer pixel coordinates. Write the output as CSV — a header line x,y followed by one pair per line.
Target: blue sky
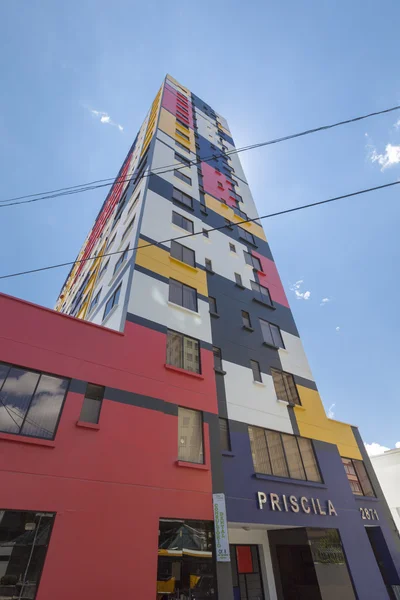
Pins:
x,y
271,68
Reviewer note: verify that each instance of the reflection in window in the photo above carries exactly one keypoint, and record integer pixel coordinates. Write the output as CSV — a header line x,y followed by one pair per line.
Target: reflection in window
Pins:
x,y
30,402
24,537
92,401
185,560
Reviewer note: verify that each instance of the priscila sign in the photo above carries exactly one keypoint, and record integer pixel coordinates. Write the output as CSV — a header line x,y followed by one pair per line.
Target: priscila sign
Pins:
x,y
284,503
221,528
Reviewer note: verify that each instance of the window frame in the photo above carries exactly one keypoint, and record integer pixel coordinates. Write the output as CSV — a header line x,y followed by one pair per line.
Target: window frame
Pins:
x,y
253,261
281,435
202,462
121,259
208,265
95,300
238,280
182,248
282,374
228,447
128,227
256,370
246,235
217,354
213,301
40,373
112,297
353,461
259,297
183,135
183,286
182,177
272,337
247,318
232,247
182,159
87,398
182,196
183,337
191,230
181,146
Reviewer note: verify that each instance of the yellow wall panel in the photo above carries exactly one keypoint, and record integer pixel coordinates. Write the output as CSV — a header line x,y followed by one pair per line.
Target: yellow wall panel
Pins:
x,y
227,212
159,261
168,124
314,423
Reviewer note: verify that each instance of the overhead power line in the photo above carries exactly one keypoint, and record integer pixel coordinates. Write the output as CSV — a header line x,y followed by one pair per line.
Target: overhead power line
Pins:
x,y
85,187
275,214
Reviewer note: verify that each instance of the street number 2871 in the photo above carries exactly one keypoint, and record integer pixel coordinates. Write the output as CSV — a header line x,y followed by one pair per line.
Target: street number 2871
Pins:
x,y
369,513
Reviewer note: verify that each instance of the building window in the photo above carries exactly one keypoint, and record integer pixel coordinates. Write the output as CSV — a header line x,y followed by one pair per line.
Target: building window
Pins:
x,y
213,305
95,300
183,254
181,114
185,137
110,242
208,264
205,233
246,319
261,293
253,261
285,387
182,177
217,358
91,407
133,204
122,258
224,437
182,124
128,228
182,222
238,279
228,224
182,198
183,352
104,268
283,455
181,146
255,367
190,435
24,539
30,401
358,477
246,235
183,295
271,334
182,159
232,247
112,301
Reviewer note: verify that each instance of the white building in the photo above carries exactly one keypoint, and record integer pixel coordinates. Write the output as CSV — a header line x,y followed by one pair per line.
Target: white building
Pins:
x,y
387,469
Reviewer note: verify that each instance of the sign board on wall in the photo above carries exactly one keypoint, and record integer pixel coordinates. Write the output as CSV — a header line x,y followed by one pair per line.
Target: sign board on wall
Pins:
x,y
221,528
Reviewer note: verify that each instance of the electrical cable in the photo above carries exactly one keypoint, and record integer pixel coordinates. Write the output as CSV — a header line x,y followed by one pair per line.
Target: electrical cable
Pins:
x,y
281,212
158,170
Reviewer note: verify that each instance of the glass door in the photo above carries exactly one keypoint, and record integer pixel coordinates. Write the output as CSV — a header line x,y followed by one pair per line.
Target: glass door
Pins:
x,y
246,572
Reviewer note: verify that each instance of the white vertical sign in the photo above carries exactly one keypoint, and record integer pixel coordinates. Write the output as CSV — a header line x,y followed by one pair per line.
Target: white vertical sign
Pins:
x,y
221,528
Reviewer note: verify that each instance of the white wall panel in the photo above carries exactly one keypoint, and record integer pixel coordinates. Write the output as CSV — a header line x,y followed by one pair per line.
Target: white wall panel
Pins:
x,y
157,224
149,299
253,403
293,358
165,155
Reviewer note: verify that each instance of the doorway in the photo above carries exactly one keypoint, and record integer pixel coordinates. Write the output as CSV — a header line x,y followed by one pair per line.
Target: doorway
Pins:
x,y
384,560
246,572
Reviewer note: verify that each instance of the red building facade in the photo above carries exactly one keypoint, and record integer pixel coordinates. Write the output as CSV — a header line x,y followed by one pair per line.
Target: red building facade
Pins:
x,y
108,484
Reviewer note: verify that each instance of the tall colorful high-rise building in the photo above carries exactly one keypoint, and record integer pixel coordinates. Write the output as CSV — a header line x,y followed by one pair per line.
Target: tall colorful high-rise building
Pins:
x,y
162,435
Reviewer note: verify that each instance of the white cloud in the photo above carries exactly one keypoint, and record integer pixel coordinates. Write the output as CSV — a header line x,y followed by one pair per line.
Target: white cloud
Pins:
x,y
397,125
331,413
390,157
296,288
337,328
374,449
324,301
105,118
397,445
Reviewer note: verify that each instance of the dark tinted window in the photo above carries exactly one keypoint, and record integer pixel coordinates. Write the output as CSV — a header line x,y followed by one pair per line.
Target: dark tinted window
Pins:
x,y
183,253
224,437
182,222
30,402
271,334
90,412
183,295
